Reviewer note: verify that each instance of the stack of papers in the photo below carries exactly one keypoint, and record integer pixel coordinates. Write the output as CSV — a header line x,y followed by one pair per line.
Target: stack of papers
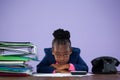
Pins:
x,y
59,75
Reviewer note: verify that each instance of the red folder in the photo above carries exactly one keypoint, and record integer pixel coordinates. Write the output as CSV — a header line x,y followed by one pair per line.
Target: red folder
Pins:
x,y
13,74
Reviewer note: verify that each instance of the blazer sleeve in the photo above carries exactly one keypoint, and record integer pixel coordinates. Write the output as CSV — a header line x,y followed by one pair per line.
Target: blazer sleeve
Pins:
x,y
44,66
80,65
77,61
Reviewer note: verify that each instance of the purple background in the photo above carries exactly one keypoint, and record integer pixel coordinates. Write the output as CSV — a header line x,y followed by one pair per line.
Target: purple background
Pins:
x,y
94,24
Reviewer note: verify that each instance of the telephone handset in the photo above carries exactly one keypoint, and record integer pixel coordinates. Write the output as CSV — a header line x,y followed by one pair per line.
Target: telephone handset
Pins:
x,y
105,64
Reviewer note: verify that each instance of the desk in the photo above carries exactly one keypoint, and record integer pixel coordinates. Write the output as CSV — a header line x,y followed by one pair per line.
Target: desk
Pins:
x,y
93,77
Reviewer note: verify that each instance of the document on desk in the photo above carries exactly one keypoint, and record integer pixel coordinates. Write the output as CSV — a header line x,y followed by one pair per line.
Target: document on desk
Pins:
x,y
59,75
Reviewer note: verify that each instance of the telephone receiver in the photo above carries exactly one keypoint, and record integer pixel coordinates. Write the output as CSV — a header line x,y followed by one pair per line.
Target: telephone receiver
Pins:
x,y
105,64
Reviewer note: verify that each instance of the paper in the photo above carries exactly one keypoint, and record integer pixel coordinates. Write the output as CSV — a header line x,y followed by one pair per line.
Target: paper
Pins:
x,y
59,75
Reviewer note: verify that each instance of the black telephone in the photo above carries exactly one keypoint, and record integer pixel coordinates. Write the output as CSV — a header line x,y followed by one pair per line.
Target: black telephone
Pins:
x,y
104,65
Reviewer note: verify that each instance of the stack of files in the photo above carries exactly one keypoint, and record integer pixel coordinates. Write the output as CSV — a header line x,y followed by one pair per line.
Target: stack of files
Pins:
x,y
14,57
26,49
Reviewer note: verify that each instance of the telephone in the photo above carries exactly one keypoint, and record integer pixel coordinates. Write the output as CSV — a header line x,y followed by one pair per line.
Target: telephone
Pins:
x,y
104,65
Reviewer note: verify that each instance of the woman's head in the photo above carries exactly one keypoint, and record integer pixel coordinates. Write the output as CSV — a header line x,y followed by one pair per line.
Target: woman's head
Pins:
x,y
61,46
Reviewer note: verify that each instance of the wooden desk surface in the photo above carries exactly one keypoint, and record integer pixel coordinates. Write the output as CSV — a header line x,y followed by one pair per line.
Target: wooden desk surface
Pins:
x,y
93,77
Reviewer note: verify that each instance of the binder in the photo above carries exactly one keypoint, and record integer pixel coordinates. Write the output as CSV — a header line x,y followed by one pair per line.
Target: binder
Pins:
x,y
14,74
12,69
14,58
11,62
16,50
5,43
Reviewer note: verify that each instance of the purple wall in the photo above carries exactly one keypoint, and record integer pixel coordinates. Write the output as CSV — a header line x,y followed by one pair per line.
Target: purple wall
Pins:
x,y
94,25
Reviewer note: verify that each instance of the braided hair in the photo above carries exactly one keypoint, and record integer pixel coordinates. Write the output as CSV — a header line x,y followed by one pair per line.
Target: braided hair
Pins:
x,y
61,37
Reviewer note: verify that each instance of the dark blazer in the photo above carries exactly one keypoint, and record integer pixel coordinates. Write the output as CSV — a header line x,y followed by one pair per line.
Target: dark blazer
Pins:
x,y
75,59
